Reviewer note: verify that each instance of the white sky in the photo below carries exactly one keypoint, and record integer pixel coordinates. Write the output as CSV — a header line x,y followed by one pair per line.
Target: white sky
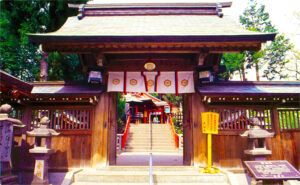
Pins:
x,y
281,15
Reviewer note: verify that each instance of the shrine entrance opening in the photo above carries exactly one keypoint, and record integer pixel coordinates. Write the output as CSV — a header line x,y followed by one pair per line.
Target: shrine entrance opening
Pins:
x,y
149,123
143,82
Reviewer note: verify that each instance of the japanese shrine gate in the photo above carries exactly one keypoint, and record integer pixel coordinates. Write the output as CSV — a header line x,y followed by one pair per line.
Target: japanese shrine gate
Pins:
x,y
175,37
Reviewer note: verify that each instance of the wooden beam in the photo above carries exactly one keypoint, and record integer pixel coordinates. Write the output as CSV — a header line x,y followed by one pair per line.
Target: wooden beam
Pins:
x,y
100,58
177,47
201,58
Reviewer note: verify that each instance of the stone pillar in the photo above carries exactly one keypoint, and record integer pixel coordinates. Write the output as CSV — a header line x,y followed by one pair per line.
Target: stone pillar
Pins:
x,y
42,150
6,138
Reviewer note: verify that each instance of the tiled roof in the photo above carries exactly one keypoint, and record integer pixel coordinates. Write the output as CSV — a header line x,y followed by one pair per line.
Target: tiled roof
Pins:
x,y
62,88
159,25
250,88
7,80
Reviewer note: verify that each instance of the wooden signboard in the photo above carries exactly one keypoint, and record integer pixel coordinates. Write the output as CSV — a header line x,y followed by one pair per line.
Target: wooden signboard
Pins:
x,y
210,122
272,170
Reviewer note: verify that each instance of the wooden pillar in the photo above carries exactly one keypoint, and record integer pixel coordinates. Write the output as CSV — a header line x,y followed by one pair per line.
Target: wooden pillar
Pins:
x,y
194,140
276,125
26,119
104,131
112,132
44,67
187,131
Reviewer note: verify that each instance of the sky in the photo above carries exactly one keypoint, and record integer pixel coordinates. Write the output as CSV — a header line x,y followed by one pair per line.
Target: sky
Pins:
x,y
282,16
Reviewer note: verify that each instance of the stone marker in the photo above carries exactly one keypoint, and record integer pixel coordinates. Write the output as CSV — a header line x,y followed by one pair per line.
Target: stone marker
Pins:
x,y
6,138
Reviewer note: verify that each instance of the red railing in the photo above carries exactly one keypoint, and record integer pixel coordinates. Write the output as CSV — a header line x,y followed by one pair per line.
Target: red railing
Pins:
x,y
124,137
176,137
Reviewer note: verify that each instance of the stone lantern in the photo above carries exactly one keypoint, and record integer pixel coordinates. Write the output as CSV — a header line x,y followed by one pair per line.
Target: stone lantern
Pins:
x,y
42,150
257,148
6,138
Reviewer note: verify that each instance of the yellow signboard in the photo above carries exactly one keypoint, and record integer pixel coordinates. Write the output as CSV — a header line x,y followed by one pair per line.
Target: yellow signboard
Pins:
x,y
210,122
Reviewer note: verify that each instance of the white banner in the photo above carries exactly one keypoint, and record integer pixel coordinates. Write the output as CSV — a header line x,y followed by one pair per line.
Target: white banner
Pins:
x,y
185,82
166,82
150,77
135,82
115,82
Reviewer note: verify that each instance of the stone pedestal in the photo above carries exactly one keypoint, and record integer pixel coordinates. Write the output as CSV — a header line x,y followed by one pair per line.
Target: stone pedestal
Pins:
x,y
42,150
6,138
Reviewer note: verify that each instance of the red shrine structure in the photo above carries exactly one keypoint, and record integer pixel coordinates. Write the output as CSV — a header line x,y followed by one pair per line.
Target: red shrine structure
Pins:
x,y
144,107
184,41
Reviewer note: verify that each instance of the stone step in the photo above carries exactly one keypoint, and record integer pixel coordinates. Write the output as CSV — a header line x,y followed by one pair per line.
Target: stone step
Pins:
x,y
147,136
137,140
147,143
156,150
146,168
96,183
163,143
162,176
153,147
153,138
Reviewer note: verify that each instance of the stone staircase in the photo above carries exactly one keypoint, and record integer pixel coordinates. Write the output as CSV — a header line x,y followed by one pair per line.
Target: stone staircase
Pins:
x,y
139,175
138,138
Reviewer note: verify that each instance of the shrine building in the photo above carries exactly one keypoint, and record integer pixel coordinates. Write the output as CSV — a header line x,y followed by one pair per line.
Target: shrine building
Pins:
x,y
145,48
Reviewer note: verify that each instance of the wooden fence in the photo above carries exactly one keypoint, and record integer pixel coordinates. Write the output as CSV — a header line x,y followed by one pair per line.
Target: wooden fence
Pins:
x,y
235,120
73,148
65,118
289,119
73,145
228,146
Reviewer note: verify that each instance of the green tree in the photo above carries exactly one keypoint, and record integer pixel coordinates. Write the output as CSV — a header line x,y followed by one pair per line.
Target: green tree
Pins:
x,y
17,18
255,18
172,98
233,62
276,58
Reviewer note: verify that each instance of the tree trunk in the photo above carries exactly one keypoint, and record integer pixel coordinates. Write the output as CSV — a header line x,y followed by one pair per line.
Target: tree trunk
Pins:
x,y
257,72
243,73
44,68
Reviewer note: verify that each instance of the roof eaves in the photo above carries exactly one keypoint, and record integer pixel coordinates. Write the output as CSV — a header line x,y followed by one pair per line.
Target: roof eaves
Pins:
x,y
45,38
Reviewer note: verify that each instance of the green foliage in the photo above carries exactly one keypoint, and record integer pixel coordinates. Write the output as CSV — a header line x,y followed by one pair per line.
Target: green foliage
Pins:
x,y
276,57
254,18
121,105
288,118
172,98
17,18
121,126
155,95
66,67
233,62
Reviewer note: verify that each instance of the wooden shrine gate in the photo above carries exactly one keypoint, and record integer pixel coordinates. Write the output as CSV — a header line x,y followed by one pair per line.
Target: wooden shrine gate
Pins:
x,y
184,37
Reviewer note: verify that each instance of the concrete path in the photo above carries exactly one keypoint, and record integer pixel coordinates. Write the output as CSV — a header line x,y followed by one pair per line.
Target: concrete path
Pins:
x,y
142,159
